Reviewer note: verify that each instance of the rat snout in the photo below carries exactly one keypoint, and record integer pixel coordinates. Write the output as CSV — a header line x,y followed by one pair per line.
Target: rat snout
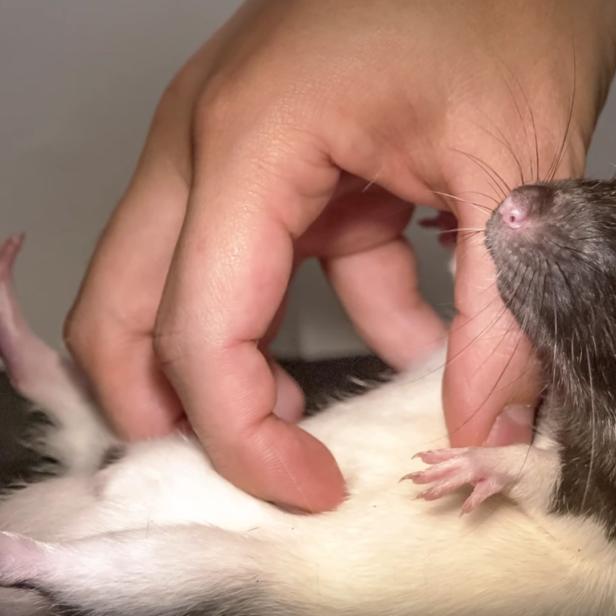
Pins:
x,y
519,218
525,204
514,210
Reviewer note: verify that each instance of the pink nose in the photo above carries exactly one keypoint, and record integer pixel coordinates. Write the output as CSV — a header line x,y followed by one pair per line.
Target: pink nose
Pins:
x,y
514,211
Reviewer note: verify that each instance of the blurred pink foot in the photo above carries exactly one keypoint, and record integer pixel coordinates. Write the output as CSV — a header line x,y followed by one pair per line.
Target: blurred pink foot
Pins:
x,y
36,371
20,558
8,252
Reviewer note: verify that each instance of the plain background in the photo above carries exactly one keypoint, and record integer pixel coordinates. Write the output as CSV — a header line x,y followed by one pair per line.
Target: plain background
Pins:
x,y
79,80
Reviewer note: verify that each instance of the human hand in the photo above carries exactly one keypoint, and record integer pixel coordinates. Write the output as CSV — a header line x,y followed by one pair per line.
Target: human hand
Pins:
x,y
259,156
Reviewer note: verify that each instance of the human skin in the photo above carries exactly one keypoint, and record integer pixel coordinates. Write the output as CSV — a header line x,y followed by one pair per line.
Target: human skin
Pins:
x,y
306,129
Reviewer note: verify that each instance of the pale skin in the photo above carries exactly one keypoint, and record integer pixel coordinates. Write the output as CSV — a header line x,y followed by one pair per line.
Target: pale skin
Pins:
x,y
306,129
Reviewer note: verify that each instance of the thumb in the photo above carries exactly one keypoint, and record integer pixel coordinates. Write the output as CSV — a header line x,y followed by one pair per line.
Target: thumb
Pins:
x,y
490,365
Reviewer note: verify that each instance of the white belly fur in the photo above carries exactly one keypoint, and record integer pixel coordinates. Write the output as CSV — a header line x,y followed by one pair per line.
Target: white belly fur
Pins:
x,y
381,552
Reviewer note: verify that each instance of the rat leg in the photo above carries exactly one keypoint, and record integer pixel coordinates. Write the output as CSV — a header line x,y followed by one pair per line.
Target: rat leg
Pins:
x,y
143,573
525,473
36,371
46,378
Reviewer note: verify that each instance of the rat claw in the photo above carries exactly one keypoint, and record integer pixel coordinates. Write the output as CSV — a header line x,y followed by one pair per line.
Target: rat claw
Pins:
x,y
433,456
435,473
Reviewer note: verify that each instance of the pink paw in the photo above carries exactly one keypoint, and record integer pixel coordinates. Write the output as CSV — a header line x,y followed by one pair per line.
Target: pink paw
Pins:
x,y
8,252
20,558
452,469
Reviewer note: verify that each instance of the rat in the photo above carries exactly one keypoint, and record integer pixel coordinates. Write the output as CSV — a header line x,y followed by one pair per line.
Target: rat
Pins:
x,y
153,530
554,247
564,235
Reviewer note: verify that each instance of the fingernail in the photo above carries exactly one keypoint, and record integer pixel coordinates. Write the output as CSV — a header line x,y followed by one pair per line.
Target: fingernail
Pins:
x,y
291,509
513,425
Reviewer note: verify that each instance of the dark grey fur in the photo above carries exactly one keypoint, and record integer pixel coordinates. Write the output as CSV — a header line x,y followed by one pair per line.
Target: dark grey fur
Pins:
x,y
557,275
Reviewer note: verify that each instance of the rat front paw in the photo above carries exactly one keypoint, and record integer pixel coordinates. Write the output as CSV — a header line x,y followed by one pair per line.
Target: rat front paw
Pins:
x,y
452,469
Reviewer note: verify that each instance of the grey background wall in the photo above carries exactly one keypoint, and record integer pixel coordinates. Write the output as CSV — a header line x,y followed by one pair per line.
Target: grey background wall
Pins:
x,y
79,80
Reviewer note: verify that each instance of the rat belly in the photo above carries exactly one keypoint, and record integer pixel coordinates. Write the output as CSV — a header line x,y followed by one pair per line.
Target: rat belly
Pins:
x,y
159,533
161,513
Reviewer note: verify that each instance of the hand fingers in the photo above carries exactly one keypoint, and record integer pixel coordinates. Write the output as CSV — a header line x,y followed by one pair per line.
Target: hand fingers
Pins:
x,y
378,288
109,330
228,277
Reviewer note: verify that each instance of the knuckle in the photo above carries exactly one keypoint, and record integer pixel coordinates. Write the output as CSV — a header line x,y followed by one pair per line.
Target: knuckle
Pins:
x,y
165,346
215,107
242,103
182,88
85,337
180,334
169,341
75,332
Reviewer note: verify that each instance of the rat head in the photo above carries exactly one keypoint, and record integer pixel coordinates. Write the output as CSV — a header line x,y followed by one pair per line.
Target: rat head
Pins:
x,y
554,246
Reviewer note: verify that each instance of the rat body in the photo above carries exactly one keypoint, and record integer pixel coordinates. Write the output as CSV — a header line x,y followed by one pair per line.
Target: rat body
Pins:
x,y
158,532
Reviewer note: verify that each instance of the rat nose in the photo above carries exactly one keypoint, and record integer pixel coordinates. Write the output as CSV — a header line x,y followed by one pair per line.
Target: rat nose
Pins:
x,y
514,211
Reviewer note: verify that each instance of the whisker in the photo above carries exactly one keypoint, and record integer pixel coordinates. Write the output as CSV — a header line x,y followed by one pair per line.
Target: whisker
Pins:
x,y
580,255
469,242
495,178
519,112
533,124
479,206
561,150
471,239
464,348
593,431
373,181
481,194
494,387
477,314
500,138
461,229
501,338
504,369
